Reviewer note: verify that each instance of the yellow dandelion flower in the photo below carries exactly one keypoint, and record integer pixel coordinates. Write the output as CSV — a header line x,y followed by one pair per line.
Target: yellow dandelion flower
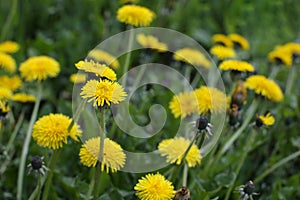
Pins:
x,y
183,104
239,40
210,100
149,41
222,52
192,56
23,98
267,119
102,56
39,68
7,62
51,131
135,15
222,39
9,47
4,108
265,87
12,83
113,155
5,93
154,187
78,78
293,48
236,65
281,56
98,69
103,92
175,148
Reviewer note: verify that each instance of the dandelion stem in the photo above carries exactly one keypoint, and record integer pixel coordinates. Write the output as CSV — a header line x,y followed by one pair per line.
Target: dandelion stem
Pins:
x,y
39,186
290,80
77,114
92,184
9,19
185,174
27,142
274,72
50,174
241,161
277,165
97,181
128,56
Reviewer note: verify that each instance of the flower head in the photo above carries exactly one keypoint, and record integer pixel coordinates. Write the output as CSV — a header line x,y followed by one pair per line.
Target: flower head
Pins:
x,y
247,191
192,56
265,87
113,155
12,83
7,62
51,131
39,68
239,40
98,69
78,78
103,92
222,52
222,39
149,41
154,187
23,98
210,100
183,104
102,56
236,65
267,119
135,15
175,148
9,47
280,56
37,164
4,108
5,93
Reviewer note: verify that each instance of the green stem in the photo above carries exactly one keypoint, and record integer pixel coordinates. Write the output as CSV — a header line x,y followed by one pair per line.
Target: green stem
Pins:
x,y
9,19
91,186
97,181
39,186
241,162
16,130
274,72
50,174
185,174
290,80
128,56
249,115
27,142
277,165
77,114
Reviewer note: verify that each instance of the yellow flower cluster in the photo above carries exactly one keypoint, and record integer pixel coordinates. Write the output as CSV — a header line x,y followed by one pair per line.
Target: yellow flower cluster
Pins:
x,y
236,65
102,56
222,52
149,41
284,53
193,57
230,40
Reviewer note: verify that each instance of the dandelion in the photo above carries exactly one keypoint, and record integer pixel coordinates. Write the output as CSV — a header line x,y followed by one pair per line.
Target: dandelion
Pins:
x,y
154,187
12,83
9,47
267,120
78,78
210,100
183,104
37,165
149,41
223,40
51,131
239,40
5,93
39,68
23,98
4,108
264,87
7,62
175,148
113,155
236,65
183,194
222,52
280,56
247,191
102,56
98,69
202,124
135,15
103,92
192,56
